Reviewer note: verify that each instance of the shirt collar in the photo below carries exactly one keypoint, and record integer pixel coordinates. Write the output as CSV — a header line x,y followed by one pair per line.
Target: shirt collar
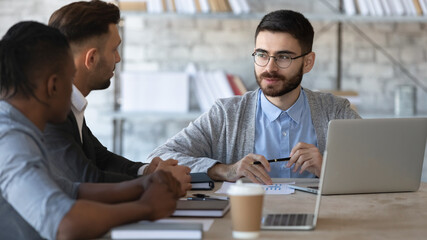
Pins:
x,y
272,112
295,111
16,116
78,101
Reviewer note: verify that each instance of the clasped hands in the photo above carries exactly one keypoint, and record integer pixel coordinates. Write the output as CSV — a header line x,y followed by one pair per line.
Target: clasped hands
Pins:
x,y
181,173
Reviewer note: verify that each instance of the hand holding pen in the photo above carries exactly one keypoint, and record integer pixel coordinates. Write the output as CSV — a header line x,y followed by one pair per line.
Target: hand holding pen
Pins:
x,y
274,160
257,173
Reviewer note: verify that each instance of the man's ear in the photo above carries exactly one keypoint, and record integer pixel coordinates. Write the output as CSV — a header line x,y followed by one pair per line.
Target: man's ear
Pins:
x,y
91,58
309,62
52,82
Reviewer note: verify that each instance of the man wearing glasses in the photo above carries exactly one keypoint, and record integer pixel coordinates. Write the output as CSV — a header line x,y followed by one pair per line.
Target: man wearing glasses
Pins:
x,y
280,119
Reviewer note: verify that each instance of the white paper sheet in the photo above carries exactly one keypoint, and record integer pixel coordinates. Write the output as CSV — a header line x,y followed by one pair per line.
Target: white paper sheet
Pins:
x,y
275,189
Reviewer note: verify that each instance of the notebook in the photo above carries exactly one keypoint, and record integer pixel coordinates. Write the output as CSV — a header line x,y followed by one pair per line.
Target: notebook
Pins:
x,y
201,208
372,156
201,181
150,230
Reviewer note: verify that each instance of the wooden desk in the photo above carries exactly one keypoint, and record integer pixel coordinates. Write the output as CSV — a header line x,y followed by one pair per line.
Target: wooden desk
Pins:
x,y
359,216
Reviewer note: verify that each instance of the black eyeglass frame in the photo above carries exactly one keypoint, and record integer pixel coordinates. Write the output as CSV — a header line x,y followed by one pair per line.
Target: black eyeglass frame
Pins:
x,y
275,59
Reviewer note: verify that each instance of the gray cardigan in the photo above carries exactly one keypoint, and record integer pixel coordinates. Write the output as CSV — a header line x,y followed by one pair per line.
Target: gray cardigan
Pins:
x,y
226,133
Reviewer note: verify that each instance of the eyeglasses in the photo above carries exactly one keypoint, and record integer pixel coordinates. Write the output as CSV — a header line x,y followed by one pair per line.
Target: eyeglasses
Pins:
x,y
282,60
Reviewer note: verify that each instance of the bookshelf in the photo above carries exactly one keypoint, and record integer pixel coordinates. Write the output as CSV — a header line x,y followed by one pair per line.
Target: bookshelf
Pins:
x,y
333,17
336,15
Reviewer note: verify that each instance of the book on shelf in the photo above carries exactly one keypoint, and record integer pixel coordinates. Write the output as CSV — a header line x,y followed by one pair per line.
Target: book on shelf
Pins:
x,y
417,6
363,7
214,5
153,230
178,6
198,6
239,6
186,6
418,9
210,86
245,6
204,92
349,7
233,85
221,7
138,95
226,5
221,84
236,84
409,9
397,7
201,208
201,181
239,82
371,7
378,8
204,6
155,6
423,5
385,7
170,5
135,5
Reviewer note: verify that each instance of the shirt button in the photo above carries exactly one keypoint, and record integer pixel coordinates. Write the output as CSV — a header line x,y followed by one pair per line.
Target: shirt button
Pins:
x,y
284,134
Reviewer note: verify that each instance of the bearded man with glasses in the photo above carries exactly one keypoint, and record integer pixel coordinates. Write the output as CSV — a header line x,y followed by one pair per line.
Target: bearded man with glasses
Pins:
x,y
280,119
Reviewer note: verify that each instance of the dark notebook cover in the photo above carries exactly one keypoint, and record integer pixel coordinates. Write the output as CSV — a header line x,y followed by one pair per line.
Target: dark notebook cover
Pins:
x,y
202,208
201,181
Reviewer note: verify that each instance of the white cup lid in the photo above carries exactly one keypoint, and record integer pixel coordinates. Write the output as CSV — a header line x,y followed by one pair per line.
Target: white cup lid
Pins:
x,y
245,189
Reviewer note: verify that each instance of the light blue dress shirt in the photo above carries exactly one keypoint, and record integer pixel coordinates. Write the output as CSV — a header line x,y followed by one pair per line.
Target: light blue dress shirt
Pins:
x,y
33,199
278,131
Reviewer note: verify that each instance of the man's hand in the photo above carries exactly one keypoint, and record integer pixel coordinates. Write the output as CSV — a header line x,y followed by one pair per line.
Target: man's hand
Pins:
x,y
162,191
152,166
307,157
257,173
181,173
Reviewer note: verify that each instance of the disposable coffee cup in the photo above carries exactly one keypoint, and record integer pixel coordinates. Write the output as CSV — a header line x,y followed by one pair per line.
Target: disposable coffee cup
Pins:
x,y
246,209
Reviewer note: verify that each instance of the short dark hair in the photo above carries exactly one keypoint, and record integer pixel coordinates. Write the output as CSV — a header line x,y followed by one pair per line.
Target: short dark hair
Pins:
x,y
291,22
80,21
27,50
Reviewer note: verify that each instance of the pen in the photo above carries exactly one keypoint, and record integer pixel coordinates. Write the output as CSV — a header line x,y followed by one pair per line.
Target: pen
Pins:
x,y
274,160
206,198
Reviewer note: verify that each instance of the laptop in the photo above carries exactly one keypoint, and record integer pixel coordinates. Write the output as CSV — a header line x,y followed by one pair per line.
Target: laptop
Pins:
x,y
292,221
372,156
362,156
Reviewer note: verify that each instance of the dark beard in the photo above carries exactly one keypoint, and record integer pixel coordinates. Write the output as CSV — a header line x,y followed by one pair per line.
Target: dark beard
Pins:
x,y
287,86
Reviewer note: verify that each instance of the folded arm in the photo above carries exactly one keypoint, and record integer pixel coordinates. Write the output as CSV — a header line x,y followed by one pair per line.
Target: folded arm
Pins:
x,y
192,146
93,214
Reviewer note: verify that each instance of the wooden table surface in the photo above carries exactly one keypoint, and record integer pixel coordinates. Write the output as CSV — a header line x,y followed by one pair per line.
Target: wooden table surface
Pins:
x,y
356,216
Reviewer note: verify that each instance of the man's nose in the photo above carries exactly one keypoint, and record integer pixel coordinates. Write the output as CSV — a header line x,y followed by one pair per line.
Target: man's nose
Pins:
x,y
118,58
271,65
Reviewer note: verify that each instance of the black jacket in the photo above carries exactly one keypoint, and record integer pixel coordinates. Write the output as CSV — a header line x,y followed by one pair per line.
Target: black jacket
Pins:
x,y
89,161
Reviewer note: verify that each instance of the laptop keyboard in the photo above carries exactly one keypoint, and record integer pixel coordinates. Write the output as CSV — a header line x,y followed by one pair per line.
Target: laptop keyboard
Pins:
x,y
286,219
